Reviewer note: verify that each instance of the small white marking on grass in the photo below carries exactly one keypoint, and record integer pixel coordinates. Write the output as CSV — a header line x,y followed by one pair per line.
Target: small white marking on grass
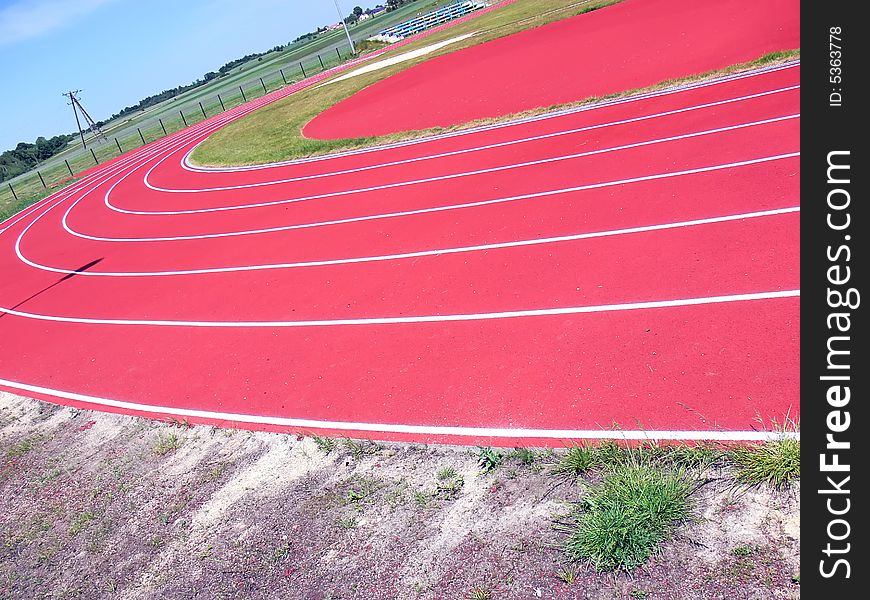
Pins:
x,y
399,58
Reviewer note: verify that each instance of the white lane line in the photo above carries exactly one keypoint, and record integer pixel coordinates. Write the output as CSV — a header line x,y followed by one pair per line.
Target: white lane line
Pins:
x,y
450,176
540,312
185,162
194,130
437,252
481,148
492,169
131,157
60,194
137,158
420,211
482,432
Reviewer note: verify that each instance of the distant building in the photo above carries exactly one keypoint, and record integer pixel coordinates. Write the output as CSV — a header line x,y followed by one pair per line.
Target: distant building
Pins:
x,y
333,26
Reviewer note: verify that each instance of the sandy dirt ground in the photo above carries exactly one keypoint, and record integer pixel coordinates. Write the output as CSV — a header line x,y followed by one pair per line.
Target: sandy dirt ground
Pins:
x,y
104,506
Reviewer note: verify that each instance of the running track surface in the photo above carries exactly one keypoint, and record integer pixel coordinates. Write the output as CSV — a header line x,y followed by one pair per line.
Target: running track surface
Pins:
x,y
633,263
629,45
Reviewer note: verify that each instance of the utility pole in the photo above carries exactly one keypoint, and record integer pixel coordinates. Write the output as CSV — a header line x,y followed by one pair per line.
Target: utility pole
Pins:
x,y
344,23
72,95
77,106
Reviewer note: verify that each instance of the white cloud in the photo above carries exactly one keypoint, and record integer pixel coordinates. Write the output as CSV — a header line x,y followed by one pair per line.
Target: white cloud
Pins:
x,y
26,19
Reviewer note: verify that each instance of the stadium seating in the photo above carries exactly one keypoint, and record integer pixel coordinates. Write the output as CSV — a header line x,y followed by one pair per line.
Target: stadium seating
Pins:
x,y
420,23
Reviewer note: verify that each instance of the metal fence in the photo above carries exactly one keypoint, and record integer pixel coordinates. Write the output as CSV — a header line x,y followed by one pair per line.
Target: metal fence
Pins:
x,y
19,192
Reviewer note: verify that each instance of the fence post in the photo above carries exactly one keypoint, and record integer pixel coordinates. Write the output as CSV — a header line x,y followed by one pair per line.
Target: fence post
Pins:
x,y
96,162
339,53
182,118
120,151
42,180
321,63
162,126
303,69
204,116
284,79
222,103
244,98
69,168
263,83
142,137
12,189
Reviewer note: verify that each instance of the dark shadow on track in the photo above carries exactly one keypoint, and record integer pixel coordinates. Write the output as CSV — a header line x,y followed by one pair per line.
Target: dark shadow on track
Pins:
x,y
82,268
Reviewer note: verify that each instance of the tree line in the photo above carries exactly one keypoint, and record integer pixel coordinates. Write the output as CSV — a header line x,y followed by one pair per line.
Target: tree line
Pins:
x,y
27,156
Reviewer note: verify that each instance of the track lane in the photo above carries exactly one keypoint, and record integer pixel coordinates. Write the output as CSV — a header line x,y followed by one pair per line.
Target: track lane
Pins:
x,y
737,257
660,127
244,371
588,370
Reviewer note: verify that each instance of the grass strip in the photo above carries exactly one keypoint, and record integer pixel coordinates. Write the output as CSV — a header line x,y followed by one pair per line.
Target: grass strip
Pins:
x,y
274,133
13,207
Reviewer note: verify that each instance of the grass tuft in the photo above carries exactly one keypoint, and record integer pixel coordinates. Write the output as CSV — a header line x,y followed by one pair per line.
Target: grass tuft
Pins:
x,y
776,463
576,461
166,443
526,456
20,449
480,593
488,459
446,473
324,444
360,448
621,521
568,575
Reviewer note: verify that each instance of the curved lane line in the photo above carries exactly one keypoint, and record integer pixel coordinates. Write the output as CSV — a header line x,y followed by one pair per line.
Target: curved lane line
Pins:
x,y
507,143
497,169
540,312
503,432
424,253
420,211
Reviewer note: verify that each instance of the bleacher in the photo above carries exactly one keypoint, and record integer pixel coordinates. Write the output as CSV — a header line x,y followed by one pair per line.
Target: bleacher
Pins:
x,y
420,23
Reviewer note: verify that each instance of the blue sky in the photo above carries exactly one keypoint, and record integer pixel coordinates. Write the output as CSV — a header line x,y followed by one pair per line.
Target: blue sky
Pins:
x,y
120,51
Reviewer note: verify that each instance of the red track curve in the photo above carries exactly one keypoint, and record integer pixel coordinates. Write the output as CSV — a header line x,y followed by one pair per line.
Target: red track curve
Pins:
x,y
632,263
629,45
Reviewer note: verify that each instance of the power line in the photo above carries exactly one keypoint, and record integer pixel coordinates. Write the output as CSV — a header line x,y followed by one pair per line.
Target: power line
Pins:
x,y
77,107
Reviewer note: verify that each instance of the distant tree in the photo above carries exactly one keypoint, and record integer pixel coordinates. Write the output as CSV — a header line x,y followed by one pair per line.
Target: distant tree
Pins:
x,y
26,156
357,10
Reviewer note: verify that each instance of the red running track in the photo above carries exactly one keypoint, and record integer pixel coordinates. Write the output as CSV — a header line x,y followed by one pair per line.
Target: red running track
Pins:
x,y
630,264
629,45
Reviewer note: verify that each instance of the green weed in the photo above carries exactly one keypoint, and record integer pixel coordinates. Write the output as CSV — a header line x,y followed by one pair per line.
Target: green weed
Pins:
x,y
621,521
777,462
166,443
488,459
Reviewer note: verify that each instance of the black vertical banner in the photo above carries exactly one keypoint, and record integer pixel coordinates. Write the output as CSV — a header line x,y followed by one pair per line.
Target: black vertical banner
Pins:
x,y
834,263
